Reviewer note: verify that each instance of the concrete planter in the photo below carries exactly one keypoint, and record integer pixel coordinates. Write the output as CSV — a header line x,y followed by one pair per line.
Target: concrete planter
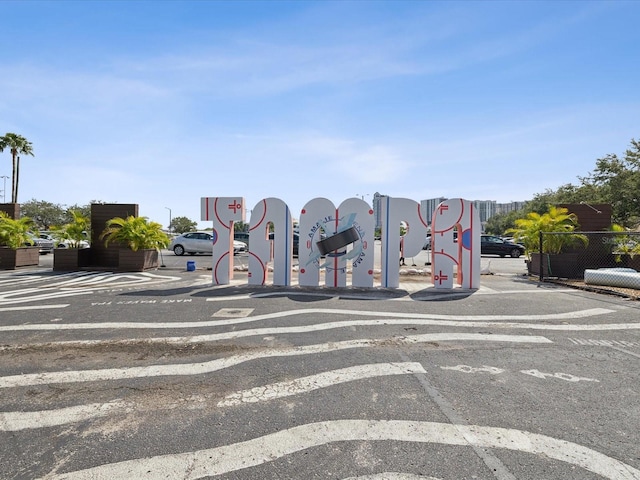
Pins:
x,y
71,259
130,261
11,259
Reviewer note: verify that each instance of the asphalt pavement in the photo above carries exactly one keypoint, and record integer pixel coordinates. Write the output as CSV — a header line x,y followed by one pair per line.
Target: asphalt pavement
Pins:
x,y
162,375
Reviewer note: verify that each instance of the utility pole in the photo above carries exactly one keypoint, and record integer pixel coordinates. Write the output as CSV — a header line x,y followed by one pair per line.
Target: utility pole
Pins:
x,y
169,219
4,188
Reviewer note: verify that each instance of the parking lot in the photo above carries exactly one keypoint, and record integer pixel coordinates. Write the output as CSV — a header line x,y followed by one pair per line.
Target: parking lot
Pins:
x,y
159,374
418,265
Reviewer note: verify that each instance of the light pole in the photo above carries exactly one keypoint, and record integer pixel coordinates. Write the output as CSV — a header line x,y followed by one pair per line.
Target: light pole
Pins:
x,y
169,219
4,189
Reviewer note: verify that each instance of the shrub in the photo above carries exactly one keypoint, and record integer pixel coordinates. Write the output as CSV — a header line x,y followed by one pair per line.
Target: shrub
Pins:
x,y
135,232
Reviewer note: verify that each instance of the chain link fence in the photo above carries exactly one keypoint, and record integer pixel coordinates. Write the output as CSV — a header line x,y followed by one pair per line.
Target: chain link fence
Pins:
x,y
594,258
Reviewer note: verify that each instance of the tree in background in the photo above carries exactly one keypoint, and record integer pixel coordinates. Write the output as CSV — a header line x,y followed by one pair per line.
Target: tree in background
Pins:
x,y
44,214
84,210
617,181
17,145
614,180
182,225
498,224
240,227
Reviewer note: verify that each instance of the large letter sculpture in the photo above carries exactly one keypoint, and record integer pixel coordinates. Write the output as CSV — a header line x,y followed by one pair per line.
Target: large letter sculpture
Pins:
x,y
449,253
325,234
331,237
394,212
270,211
223,212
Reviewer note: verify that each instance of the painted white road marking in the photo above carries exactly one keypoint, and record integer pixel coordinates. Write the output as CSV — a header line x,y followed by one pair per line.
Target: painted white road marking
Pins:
x,y
318,381
390,317
228,298
15,421
603,343
469,369
33,307
562,376
534,373
219,364
80,283
261,450
392,476
234,312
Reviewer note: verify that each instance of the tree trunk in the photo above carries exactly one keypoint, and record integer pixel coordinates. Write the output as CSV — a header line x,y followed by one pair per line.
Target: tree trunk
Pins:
x,y
13,176
17,177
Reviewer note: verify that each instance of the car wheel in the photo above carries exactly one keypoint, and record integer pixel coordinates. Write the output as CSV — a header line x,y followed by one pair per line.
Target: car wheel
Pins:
x,y
178,250
515,253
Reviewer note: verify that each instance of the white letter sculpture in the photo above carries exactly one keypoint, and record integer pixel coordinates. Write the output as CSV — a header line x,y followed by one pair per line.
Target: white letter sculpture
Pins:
x,y
270,211
394,212
223,212
325,234
330,237
449,253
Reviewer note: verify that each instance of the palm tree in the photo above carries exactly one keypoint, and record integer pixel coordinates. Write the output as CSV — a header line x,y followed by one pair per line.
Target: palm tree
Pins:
x,y
555,220
14,233
18,146
136,232
75,231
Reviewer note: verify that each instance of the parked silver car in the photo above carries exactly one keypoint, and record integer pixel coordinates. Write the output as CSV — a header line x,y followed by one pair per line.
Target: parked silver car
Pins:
x,y
200,242
44,241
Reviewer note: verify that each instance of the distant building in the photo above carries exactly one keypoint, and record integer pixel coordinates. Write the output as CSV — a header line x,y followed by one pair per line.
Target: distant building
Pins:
x,y
429,206
509,207
486,208
377,213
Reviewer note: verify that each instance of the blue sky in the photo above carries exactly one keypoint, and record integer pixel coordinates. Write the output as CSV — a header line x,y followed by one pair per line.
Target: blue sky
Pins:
x,y
161,103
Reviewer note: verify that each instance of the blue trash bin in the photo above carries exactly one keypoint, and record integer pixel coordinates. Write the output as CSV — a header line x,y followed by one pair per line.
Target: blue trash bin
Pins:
x,y
191,266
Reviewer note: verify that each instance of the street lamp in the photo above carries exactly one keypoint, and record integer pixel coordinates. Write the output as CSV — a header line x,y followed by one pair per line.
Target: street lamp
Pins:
x,y
4,189
169,219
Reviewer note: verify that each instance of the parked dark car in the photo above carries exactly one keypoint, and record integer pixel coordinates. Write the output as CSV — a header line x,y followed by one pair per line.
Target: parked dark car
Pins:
x,y
242,237
296,242
492,245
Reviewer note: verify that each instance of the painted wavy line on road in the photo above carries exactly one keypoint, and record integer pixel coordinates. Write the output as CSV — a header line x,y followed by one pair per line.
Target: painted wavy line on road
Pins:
x,y
261,450
36,296
255,332
182,369
426,319
321,380
15,421
81,284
